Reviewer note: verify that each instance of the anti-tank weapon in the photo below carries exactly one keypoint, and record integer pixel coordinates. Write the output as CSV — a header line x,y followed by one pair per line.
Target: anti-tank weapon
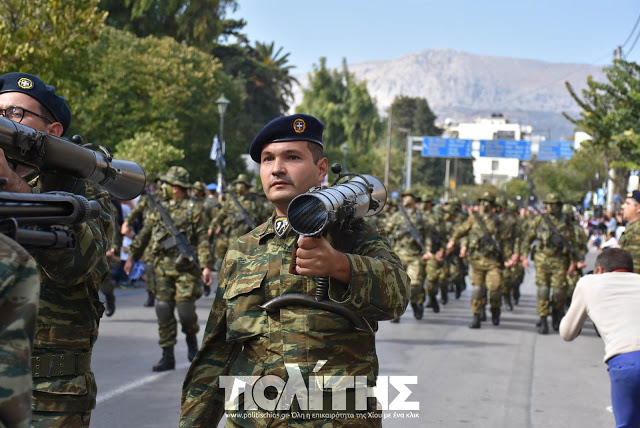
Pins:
x,y
43,210
47,153
314,212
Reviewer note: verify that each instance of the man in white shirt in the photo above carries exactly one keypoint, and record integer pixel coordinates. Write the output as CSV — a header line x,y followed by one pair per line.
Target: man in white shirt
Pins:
x,y
611,299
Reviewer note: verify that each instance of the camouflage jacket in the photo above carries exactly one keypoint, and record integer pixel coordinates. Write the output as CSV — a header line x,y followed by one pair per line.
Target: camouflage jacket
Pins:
x,y
397,230
549,243
230,218
19,293
479,243
188,218
242,339
70,311
512,230
630,241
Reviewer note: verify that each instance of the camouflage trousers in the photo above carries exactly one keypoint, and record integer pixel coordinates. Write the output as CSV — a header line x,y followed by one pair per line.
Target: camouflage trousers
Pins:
x,y
150,277
512,278
437,273
572,280
486,275
415,268
551,280
171,290
60,420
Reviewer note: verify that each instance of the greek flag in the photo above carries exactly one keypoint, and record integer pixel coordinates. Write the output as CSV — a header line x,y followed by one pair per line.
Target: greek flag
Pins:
x,y
216,153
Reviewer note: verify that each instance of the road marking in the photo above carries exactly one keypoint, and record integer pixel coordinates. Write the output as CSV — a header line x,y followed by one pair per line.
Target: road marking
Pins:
x,y
101,398
609,409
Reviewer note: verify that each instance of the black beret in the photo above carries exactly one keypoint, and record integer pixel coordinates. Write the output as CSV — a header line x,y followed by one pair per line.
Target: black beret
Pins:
x,y
297,127
635,195
45,94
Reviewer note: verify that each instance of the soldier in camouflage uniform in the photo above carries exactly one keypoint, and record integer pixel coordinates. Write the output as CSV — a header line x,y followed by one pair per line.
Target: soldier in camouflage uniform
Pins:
x,y
486,258
64,388
177,279
410,251
512,276
554,261
630,239
229,223
144,211
580,244
243,339
436,269
19,294
456,266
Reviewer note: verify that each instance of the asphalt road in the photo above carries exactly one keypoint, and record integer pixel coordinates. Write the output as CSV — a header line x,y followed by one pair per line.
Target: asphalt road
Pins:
x,y
505,376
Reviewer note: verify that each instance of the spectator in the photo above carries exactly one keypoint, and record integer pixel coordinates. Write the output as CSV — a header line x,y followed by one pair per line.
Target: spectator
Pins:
x,y
611,299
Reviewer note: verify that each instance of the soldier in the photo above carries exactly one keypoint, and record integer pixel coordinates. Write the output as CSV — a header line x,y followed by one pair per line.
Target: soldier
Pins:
x,y
408,249
553,259
177,278
485,243
143,213
630,239
64,388
512,276
457,267
244,339
580,243
231,222
435,267
19,294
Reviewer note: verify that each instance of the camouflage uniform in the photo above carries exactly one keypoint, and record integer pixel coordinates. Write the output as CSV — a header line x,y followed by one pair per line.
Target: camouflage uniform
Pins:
x,y
485,260
630,241
19,293
231,221
456,266
512,276
552,261
177,279
64,388
410,252
436,271
580,244
242,339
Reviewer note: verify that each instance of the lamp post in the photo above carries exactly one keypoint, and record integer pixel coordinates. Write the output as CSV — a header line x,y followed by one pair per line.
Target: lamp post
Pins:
x,y
408,159
345,150
222,103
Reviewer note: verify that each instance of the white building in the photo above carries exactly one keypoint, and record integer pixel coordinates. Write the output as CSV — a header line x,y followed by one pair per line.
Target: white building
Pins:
x,y
489,169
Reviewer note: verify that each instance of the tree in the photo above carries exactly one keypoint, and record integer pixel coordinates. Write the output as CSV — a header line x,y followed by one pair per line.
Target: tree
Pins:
x,y
348,112
148,150
199,23
610,112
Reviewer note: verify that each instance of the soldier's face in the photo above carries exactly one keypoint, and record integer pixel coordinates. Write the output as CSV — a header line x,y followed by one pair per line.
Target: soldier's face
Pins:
x,y
25,101
287,170
630,209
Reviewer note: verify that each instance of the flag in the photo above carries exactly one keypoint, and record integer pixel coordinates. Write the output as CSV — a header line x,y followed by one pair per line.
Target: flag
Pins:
x,y
216,153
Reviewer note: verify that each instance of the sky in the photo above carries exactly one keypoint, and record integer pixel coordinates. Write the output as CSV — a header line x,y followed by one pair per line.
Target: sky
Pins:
x,y
570,31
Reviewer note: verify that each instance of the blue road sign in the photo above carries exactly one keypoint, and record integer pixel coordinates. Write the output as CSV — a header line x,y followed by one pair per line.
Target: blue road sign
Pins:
x,y
437,147
555,150
513,149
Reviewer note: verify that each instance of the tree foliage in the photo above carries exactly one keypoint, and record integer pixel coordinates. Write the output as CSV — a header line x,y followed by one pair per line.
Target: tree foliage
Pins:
x,y
348,112
150,151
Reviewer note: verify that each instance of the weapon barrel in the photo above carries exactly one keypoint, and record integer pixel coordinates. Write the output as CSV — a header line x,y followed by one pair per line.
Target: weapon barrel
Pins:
x,y
311,212
47,208
122,178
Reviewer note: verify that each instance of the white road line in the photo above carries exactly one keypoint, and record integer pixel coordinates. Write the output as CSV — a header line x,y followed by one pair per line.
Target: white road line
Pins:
x,y
101,398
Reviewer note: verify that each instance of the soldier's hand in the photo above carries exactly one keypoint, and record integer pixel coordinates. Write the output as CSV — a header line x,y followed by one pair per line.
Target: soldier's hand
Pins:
x,y
427,255
440,255
209,232
128,266
15,183
463,252
581,264
218,229
124,229
206,277
524,261
450,246
572,268
316,257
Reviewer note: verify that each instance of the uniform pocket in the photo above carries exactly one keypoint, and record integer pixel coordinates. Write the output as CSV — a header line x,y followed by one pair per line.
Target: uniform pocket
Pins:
x,y
245,318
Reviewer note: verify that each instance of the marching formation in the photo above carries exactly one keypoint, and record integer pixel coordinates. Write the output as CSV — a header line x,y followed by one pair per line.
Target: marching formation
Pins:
x,y
492,241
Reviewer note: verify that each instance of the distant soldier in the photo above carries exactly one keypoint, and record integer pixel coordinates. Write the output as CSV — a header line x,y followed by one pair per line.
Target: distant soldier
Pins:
x,y
553,259
630,239
434,256
235,217
177,278
485,250
410,251
513,229
19,294
456,266
580,243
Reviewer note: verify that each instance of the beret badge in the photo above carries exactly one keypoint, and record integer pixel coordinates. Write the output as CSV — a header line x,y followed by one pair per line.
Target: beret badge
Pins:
x,y
25,83
299,126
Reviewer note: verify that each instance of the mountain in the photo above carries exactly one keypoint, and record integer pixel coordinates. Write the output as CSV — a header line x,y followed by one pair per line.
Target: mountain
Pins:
x,y
461,86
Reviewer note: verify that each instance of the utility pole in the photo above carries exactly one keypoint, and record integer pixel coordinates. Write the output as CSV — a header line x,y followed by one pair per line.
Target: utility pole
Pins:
x,y
387,160
611,175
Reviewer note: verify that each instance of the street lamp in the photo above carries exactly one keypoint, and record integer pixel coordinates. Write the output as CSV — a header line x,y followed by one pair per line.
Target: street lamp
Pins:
x,y
345,150
408,161
222,103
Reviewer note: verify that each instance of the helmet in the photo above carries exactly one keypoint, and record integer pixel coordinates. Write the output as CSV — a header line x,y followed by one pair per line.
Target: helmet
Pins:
x,y
512,207
454,203
567,209
199,186
177,176
427,197
486,196
552,198
408,192
242,178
